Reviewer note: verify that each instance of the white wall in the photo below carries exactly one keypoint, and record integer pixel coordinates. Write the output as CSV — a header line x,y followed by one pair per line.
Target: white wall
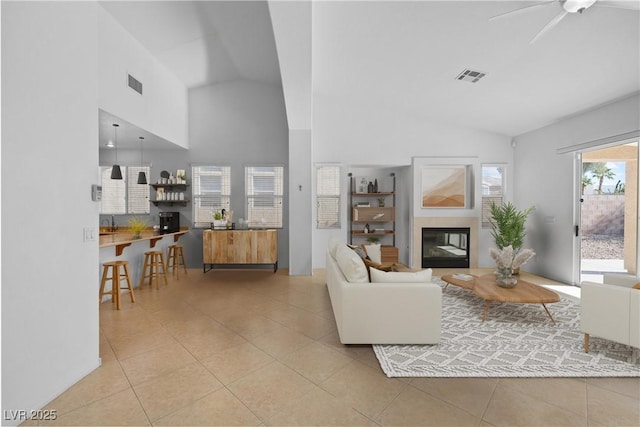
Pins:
x,y
363,134
49,160
240,123
546,180
162,109
300,203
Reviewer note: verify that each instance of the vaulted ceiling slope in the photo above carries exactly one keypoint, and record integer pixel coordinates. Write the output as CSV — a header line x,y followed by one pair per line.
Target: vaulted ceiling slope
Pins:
x,y
204,42
405,56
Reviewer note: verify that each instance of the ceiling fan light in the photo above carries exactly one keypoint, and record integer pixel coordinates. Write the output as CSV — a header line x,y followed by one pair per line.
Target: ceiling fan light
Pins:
x,y
116,173
142,178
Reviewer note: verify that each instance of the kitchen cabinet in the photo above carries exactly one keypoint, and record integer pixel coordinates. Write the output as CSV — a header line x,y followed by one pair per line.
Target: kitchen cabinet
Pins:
x,y
229,248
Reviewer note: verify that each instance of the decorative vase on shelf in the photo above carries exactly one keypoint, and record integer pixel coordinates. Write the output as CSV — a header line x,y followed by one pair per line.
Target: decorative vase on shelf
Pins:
x,y
505,279
375,186
370,187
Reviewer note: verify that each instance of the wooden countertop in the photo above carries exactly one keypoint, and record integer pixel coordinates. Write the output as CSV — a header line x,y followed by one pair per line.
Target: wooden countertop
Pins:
x,y
124,237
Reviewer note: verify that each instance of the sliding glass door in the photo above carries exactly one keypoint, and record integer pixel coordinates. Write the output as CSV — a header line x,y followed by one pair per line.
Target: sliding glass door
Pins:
x,y
608,210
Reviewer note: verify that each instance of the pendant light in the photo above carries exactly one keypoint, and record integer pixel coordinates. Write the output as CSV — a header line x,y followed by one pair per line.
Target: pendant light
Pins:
x,y
142,177
116,173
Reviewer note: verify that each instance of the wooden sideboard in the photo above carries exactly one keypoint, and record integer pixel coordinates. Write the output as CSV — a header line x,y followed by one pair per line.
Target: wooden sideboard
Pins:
x,y
224,248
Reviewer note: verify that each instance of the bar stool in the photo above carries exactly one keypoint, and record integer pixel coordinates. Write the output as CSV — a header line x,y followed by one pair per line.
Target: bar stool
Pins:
x,y
175,259
153,268
115,278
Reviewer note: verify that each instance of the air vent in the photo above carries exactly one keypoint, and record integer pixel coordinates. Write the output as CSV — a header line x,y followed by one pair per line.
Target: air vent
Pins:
x,y
470,76
135,84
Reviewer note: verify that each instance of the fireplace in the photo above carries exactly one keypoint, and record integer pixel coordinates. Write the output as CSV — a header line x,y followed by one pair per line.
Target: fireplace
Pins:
x,y
445,247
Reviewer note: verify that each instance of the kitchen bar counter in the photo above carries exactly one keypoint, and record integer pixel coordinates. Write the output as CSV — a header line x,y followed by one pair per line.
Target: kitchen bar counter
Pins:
x,y
123,238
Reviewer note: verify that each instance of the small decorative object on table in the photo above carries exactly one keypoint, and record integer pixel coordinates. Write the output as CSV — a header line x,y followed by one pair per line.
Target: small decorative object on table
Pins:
x,y
218,220
137,226
508,260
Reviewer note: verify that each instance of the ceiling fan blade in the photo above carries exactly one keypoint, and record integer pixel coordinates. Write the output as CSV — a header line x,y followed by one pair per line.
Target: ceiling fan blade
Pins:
x,y
619,4
550,25
521,10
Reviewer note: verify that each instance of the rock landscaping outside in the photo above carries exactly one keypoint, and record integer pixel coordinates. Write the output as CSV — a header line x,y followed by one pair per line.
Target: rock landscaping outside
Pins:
x,y
602,247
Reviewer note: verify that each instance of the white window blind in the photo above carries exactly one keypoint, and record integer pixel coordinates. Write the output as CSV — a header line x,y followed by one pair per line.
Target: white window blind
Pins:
x,y
328,196
124,196
211,192
264,190
138,194
493,187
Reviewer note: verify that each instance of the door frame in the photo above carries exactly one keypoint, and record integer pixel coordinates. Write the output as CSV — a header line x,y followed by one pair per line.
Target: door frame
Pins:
x,y
578,150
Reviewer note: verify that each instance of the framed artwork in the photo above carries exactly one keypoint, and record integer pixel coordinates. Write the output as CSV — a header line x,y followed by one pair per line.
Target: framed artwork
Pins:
x,y
444,186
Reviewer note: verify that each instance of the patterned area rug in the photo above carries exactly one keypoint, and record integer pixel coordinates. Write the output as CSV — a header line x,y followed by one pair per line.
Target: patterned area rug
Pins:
x,y
516,340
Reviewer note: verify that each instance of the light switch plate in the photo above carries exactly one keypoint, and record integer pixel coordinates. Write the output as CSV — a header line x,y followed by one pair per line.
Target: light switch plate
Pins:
x,y
89,234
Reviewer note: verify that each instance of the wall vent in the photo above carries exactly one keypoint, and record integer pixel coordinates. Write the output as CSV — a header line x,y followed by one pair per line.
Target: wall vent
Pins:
x,y
470,76
135,84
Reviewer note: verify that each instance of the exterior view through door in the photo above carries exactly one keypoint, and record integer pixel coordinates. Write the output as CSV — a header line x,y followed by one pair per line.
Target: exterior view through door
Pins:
x,y
609,211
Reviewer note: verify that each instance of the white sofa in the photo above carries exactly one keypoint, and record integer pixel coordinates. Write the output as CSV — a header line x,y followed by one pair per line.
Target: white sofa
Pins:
x,y
611,310
383,313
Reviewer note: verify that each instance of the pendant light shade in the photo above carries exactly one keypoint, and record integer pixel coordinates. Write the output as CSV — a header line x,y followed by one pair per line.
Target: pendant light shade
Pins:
x,y
116,173
142,177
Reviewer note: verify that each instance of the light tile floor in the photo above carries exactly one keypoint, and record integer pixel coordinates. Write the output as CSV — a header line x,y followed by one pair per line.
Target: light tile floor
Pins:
x,y
258,348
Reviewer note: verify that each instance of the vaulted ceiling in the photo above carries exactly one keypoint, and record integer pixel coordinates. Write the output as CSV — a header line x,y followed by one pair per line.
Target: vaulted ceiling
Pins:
x,y
406,55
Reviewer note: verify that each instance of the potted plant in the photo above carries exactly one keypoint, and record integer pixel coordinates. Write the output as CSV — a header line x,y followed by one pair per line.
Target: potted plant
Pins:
x,y
218,220
507,225
137,225
381,202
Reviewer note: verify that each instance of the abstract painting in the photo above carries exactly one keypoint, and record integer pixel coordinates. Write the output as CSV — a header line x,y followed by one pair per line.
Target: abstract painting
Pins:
x,y
444,186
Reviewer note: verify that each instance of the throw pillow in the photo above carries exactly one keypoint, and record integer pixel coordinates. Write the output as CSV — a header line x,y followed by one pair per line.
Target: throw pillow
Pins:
x,y
382,267
423,276
359,250
374,252
351,265
636,286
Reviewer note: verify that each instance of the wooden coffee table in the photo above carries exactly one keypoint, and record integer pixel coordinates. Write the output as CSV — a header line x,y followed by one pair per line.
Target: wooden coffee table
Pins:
x,y
466,281
524,293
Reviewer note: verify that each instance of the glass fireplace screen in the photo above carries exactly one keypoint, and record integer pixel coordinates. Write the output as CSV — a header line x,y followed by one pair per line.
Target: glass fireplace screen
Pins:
x,y
445,248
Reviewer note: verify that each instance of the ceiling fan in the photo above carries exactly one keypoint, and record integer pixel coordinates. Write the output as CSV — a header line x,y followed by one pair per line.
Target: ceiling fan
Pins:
x,y
570,6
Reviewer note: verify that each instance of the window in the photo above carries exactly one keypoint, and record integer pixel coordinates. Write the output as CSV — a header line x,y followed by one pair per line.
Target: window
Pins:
x,y
328,196
493,187
264,189
124,196
211,192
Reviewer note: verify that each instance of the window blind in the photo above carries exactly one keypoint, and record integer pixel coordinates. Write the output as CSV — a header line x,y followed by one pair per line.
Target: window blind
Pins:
x,y
211,191
493,187
137,194
122,196
328,197
264,187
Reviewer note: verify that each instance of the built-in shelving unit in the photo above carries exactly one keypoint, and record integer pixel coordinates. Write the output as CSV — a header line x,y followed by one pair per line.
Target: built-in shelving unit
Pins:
x,y
169,189
371,220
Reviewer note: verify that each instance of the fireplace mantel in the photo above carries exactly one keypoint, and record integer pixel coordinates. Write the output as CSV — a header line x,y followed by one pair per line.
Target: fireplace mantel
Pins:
x,y
424,222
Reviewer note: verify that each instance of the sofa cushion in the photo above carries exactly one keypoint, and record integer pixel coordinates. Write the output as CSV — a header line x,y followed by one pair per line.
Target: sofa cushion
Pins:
x,y
423,276
333,245
374,252
351,265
